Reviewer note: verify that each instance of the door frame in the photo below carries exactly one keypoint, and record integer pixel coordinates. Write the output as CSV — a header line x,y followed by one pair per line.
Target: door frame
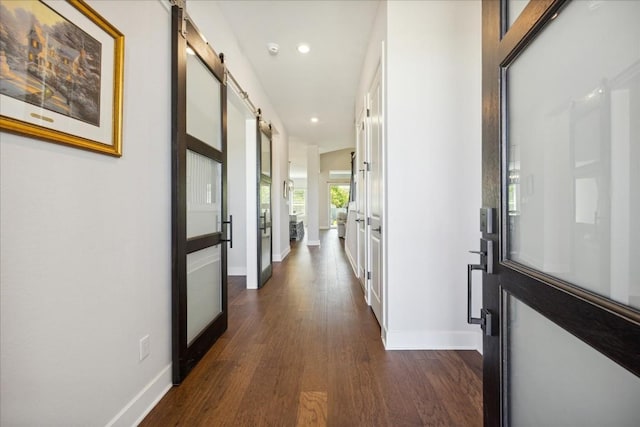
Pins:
x,y
607,326
362,197
376,227
329,185
185,356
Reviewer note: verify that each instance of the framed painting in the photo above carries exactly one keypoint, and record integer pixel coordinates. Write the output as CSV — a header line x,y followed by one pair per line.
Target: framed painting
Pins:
x,y
61,74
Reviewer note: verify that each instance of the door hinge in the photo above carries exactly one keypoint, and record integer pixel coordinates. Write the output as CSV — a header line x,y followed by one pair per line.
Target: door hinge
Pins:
x,y
368,112
368,220
368,275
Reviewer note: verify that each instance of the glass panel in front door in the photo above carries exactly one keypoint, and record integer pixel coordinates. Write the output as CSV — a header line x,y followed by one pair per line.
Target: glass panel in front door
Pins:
x,y
204,290
265,224
204,195
203,103
555,379
265,159
574,150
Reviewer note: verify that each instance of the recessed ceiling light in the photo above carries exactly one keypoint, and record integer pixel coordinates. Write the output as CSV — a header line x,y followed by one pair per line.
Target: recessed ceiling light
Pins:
x,y
314,120
190,51
304,48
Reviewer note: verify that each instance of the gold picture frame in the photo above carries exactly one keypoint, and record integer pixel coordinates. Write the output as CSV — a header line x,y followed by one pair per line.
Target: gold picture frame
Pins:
x,y
61,74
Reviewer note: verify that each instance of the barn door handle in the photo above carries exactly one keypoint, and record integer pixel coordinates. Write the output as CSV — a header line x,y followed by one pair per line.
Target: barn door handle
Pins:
x,y
486,265
230,239
264,221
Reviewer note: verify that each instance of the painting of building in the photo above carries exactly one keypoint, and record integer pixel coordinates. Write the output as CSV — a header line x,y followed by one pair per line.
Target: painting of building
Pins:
x,y
47,61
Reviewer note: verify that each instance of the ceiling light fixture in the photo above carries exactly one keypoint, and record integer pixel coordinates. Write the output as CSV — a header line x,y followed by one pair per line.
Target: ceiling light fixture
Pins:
x,y
304,48
314,120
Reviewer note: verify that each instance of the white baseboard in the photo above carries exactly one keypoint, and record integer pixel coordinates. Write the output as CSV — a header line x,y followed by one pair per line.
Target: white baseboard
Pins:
x,y
480,345
313,242
383,335
283,255
138,408
430,340
354,266
237,271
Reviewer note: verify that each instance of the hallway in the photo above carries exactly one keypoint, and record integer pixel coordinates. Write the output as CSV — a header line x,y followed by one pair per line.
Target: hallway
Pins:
x,y
306,350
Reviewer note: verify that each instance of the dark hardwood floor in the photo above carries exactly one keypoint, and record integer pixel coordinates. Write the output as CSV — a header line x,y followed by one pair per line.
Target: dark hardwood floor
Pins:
x,y
305,350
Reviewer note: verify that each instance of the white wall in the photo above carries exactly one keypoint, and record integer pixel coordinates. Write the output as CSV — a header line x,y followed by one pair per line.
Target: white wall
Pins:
x,y
86,256
312,196
433,170
433,145
237,173
280,205
85,270
372,57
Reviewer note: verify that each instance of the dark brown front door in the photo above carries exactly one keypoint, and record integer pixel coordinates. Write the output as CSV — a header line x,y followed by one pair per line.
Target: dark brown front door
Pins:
x,y
561,179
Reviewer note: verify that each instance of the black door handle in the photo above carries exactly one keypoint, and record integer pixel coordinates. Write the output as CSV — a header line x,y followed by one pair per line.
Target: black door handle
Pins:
x,y
230,239
470,319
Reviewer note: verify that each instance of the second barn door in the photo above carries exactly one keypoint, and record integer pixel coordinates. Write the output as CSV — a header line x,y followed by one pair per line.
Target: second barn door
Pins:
x,y
265,244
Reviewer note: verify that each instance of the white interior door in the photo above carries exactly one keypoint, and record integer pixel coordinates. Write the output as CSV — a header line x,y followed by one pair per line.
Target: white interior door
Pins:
x,y
376,192
361,214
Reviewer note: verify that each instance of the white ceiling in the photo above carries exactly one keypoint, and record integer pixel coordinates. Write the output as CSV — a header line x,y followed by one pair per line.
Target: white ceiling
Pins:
x,y
322,83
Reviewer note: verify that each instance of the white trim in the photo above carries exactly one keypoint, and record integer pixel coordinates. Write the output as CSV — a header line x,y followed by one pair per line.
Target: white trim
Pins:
x,y
134,412
283,255
354,266
431,340
313,242
237,271
383,335
480,345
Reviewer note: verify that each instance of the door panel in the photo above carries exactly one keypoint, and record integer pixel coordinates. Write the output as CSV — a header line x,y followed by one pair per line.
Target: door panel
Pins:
x,y
559,144
560,91
203,103
204,195
265,155
376,275
376,196
544,377
265,228
204,290
361,218
265,243
199,254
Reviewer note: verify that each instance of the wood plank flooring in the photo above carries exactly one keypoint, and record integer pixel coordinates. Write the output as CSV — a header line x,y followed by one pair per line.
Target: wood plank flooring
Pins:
x,y
305,350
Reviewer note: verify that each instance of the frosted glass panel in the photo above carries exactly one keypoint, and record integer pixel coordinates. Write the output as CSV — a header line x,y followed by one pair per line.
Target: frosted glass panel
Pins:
x,y
203,103
265,223
204,194
557,380
574,149
204,290
514,9
265,166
